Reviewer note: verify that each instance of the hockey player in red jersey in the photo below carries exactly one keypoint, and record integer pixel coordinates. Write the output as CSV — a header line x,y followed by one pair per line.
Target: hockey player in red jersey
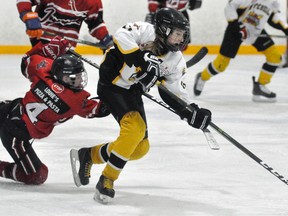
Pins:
x,y
56,95
247,19
142,54
180,5
63,18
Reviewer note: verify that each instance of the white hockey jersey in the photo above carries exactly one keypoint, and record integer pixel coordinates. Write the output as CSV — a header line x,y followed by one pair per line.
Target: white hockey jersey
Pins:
x,y
140,35
255,16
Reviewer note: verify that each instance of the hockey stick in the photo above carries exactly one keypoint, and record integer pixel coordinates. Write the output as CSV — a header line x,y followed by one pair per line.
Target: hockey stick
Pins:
x,y
275,36
83,58
208,135
194,60
98,45
234,142
249,153
197,57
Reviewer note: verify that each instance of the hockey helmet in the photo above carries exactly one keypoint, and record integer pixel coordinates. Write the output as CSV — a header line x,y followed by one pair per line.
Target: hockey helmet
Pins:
x,y
172,23
69,71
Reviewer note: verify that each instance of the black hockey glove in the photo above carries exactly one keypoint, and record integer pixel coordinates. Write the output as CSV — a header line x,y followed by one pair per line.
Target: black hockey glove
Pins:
x,y
234,28
5,107
194,4
107,41
198,117
102,109
150,17
149,70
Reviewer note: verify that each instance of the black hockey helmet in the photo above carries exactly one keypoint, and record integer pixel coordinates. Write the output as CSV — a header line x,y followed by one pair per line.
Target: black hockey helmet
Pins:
x,y
166,21
69,71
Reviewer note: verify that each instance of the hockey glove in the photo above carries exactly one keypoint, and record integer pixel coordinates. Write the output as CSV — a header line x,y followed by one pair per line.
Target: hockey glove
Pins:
x,y
150,18
107,41
33,25
198,117
234,29
194,4
102,109
149,70
243,31
56,47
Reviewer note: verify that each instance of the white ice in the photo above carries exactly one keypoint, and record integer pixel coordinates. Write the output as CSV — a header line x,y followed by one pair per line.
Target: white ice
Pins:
x,y
180,175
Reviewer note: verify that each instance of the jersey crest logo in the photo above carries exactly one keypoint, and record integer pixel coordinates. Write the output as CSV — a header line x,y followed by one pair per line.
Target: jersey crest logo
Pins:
x,y
57,88
42,64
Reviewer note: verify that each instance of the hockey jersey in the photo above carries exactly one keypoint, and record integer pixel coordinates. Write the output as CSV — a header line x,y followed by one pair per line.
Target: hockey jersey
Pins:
x,y
180,5
65,17
141,35
49,103
254,14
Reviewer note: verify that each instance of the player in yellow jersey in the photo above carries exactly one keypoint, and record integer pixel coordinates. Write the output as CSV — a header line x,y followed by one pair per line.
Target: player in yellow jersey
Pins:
x,y
142,54
246,21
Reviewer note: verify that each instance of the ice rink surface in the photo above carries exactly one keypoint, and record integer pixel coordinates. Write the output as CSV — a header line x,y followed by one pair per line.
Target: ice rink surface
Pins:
x,y
180,175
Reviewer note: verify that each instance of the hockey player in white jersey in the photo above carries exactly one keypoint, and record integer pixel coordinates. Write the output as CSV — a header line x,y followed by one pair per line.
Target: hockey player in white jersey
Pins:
x,y
142,54
246,21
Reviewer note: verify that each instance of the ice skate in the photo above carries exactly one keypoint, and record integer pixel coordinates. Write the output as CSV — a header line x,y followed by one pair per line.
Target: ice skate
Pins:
x,y
104,190
261,93
3,166
198,85
81,174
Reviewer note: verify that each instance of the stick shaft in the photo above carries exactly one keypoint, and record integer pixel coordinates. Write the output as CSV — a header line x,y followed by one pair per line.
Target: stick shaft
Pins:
x,y
78,40
273,36
249,153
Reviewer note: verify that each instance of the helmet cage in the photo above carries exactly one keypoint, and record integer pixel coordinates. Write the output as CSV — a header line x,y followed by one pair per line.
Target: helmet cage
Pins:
x,y
70,72
166,21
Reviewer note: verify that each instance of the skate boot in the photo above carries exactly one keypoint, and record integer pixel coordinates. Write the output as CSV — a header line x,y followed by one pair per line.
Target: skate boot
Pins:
x,y
261,93
198,85
3,166
82,174
104,190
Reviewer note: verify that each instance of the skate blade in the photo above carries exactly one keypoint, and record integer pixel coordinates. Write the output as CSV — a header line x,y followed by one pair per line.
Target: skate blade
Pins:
x,y
101,198
261,99
74,159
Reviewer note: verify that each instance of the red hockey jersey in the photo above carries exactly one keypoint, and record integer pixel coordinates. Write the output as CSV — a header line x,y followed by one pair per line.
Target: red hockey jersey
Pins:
x,y
180,5
49,103
65,17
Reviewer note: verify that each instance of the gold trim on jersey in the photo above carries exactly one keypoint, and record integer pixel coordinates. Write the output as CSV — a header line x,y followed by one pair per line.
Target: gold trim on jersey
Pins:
x,y
125,51
114,81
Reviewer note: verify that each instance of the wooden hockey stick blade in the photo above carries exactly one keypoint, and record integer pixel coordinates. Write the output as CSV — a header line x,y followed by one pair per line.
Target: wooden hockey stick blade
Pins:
x,y
208,135
197,57
210,139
